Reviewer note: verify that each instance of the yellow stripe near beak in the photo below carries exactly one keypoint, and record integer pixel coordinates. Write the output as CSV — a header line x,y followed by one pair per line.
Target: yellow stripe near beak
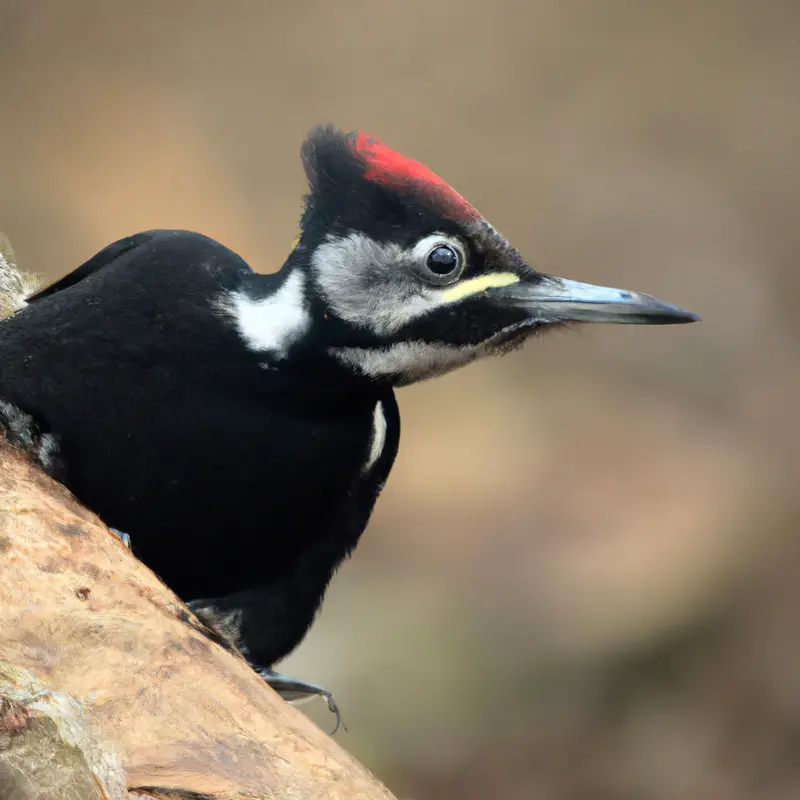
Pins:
x,y
475,285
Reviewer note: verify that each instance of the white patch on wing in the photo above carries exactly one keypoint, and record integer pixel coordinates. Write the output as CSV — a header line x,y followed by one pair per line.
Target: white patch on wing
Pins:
x,y
378,436
409,361
275,322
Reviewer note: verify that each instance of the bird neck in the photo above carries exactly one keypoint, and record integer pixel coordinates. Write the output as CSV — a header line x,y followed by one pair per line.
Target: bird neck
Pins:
x,y
283,320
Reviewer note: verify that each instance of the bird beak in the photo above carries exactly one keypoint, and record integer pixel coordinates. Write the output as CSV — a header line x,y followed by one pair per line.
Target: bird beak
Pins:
x,y
552,299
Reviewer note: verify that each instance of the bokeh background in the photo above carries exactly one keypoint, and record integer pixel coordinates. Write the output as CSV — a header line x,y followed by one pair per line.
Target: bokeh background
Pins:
x,y
583,579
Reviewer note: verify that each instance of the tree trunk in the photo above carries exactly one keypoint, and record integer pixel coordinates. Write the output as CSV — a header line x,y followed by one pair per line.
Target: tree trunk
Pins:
x,y
109,688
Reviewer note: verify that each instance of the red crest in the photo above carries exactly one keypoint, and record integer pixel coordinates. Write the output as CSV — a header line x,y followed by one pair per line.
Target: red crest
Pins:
x,y
390,168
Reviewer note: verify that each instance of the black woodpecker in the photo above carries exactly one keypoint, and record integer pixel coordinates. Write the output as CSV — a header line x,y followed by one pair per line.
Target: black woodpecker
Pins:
x,y
240,426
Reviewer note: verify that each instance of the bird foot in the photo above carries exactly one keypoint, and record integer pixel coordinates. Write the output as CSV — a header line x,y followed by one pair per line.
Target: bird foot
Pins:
x,y
293,691
126,540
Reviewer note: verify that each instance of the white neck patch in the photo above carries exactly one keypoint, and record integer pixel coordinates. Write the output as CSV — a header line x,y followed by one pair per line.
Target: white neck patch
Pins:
x,y
409,361
378,437
272,324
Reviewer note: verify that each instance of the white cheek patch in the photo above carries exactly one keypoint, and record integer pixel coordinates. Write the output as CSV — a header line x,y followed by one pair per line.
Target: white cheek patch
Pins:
x,y
272,324
374,285
367,283
378,437
408,362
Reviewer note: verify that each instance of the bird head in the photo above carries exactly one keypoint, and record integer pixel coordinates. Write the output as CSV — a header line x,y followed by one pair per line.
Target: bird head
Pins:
x,y
403,279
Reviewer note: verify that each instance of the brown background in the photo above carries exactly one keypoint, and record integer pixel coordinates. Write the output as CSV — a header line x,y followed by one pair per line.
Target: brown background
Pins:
x,y
582,579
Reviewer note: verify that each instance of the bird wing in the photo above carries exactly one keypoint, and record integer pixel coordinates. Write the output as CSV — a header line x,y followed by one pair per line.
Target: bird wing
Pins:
x,y
103,259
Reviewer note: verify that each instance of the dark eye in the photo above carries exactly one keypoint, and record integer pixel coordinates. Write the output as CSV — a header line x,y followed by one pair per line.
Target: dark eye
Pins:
x,y
443,260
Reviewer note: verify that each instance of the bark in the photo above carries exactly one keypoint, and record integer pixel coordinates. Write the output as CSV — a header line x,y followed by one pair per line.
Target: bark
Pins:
x,y
110,689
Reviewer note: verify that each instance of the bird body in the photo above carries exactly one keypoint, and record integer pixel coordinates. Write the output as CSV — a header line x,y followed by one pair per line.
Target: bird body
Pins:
x,y
173,431
241,426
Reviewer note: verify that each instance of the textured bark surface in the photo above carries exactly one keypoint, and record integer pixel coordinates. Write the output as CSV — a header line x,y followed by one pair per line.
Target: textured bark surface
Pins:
x,y
104,675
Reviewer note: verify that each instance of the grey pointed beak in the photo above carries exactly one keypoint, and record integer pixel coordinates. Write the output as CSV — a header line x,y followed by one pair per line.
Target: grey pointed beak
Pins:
x,y
561,300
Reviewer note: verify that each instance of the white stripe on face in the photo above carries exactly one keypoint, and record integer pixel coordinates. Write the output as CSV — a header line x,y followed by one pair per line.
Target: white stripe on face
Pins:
x,y
408,362
377,286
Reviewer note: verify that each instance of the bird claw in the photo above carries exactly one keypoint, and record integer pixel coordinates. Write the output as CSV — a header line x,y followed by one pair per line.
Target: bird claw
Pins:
x,y
296,691
126,540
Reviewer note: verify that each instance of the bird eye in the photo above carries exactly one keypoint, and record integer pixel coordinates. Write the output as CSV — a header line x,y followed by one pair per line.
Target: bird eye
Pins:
x,y
443,260
439,259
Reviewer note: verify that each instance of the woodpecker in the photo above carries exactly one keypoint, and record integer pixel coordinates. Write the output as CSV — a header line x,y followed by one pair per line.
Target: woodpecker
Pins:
x,y
238,426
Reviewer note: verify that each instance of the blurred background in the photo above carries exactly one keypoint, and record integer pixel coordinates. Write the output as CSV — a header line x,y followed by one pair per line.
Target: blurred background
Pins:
x,y
583,579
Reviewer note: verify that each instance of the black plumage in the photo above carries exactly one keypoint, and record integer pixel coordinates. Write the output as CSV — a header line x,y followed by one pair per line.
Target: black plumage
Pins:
x,y
240,426
226,475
